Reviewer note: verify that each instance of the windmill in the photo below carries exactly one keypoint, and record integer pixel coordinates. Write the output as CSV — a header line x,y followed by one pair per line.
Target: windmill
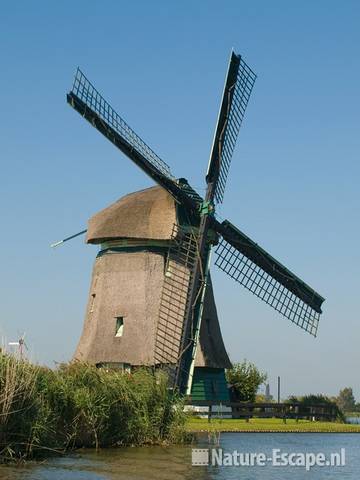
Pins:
x,y
20,344
140,224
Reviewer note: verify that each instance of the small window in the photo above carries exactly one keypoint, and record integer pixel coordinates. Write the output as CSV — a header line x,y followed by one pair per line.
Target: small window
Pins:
x,y
119,327
124,367
92,302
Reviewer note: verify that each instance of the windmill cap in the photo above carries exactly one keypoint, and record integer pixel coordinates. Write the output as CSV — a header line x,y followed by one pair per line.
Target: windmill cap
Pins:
x,y
146,214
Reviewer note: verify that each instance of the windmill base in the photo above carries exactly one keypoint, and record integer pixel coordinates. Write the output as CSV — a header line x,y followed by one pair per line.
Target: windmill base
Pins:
x,y
209,384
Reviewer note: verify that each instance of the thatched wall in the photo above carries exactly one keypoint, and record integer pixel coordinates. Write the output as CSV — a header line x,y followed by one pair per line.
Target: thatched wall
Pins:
x,y
123,285
129,285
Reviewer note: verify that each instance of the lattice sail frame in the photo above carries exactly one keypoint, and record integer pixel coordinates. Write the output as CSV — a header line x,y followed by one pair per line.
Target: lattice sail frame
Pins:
x,y
86,92
179,269
263,285
242,90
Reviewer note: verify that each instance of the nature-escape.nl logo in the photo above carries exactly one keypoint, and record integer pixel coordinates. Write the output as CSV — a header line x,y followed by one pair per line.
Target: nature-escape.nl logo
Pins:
x,y
217,457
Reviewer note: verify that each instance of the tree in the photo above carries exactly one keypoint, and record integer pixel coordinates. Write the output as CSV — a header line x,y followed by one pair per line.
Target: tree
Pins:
x,y
346,400
245,379
318,399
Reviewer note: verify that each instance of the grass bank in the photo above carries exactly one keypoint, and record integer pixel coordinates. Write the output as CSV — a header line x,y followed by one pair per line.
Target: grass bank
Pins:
x,y
194,425
77,405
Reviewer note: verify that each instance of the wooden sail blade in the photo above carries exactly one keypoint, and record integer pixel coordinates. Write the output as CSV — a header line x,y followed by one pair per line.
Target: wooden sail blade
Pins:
x,y
250,265
239,83
87,101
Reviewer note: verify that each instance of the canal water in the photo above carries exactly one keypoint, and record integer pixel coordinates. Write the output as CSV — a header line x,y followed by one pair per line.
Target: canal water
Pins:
x,y
175,463
354,420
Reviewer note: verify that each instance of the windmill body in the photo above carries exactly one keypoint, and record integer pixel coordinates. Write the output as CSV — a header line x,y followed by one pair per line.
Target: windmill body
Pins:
x,y
151,300
20,345
123,324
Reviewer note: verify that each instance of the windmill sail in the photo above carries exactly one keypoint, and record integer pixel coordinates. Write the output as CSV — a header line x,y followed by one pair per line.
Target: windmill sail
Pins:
x,y
238,87
85,91
250,265
87,101
180,264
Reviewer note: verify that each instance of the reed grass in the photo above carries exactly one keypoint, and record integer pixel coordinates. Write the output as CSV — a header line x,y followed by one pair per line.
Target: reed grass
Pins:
x,y
78,405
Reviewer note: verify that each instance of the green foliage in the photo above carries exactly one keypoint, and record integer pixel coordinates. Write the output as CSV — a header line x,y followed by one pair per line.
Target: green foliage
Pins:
x,y
312,399
317,399
262,398
245,379
345,400
78,405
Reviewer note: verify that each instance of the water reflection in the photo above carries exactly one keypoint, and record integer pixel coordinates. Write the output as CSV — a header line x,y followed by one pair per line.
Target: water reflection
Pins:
x,y
355,420
160,463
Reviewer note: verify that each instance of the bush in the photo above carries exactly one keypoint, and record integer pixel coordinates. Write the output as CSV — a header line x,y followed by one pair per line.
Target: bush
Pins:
x,y
245,379
79,405
318,399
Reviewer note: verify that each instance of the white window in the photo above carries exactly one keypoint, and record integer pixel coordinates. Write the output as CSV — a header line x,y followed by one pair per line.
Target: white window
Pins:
x,y
119,329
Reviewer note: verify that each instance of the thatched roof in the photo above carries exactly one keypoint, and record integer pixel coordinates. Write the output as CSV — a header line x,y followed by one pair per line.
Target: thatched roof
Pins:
x,y
147,214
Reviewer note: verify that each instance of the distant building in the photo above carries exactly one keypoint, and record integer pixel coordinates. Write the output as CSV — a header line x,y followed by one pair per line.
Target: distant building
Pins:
x,y
268,396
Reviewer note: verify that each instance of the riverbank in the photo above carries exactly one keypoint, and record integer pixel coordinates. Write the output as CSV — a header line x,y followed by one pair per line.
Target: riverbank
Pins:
x,y
268,425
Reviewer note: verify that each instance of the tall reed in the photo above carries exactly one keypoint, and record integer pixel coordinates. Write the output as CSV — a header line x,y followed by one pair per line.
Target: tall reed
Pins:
x,y
78,405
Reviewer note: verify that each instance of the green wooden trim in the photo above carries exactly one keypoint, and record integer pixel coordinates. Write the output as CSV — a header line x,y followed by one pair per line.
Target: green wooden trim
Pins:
x,y
209,384
133,249
127,242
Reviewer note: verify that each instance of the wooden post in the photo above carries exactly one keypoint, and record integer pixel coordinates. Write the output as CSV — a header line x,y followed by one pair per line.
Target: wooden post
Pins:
x,y
278,388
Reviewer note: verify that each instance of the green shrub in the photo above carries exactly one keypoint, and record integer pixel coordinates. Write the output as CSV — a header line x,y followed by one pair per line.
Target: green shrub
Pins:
x,y
318,399
245,379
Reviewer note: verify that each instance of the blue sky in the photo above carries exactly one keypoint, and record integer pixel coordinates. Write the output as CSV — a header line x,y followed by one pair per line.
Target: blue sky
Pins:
x,y
294,180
